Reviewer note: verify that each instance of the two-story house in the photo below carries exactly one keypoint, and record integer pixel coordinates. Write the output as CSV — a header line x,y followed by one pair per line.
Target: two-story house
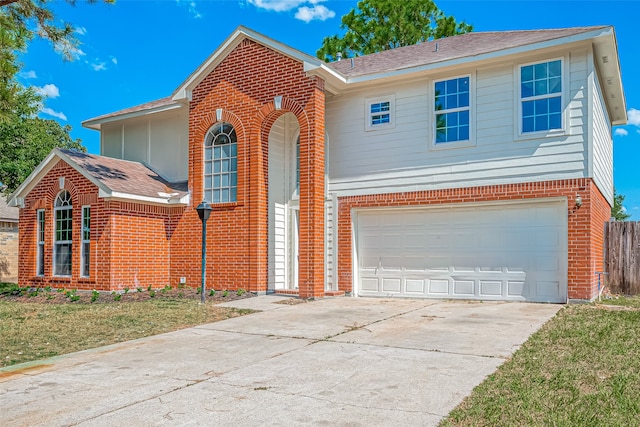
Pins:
x,y
478,166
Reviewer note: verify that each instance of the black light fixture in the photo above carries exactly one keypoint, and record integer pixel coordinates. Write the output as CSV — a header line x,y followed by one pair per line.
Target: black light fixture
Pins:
x,y
204,211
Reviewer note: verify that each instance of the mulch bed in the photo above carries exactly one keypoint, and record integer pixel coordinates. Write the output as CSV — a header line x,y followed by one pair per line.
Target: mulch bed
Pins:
x,y
67,296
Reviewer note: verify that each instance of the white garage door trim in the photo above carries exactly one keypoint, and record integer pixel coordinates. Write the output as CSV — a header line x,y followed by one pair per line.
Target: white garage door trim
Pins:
x,y
524,263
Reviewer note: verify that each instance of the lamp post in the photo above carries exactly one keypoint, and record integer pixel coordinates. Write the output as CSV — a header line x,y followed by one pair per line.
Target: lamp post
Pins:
x,y
204,211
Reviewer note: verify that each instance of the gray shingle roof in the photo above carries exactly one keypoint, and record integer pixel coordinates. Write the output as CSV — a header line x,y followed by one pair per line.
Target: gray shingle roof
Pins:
x,y
124,176
449,48
8,213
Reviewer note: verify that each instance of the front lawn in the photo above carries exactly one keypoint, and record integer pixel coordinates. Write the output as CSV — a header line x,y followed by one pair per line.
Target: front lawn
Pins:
x,y
582,368
31,331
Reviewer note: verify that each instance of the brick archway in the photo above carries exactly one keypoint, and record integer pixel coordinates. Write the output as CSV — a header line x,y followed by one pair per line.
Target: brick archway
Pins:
x,y
311,216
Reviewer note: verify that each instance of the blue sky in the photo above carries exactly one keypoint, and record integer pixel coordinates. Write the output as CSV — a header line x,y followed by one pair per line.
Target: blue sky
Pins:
x,y
140,50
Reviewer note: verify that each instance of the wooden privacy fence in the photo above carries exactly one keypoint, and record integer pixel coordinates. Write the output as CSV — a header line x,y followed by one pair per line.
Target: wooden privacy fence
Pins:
x,y
622,257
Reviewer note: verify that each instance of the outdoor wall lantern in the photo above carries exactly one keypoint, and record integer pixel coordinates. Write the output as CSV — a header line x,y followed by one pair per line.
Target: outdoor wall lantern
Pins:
x,y
204,211
578,201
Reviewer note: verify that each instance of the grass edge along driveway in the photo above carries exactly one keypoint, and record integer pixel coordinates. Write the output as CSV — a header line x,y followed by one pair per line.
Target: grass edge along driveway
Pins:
x,y
582,368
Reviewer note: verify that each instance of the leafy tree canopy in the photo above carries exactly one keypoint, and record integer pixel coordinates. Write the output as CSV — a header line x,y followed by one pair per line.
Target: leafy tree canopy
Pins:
x,y
617,210
25,139
377,25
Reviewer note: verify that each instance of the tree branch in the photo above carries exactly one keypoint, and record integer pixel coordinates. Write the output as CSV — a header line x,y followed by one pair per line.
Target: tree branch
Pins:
x,y
6,2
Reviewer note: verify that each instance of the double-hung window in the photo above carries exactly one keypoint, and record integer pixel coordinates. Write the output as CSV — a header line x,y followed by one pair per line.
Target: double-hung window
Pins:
x,y
62,249
86,241
40,260
379,112
541,96
221,164
452,110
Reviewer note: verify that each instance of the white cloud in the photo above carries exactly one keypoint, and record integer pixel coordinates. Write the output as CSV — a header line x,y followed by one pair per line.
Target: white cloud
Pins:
x,y
28,74
319,12
191,7
633,117
621,132
308,10
49,91
114,60
50,112
99,66
277,5
81,30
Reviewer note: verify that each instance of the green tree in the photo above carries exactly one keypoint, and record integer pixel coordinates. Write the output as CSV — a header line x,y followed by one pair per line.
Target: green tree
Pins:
x,y
377,25
25,139
617,210
24,13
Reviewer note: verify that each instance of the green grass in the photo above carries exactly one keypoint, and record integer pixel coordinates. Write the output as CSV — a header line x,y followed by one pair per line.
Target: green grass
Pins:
x,y
582,368
32,331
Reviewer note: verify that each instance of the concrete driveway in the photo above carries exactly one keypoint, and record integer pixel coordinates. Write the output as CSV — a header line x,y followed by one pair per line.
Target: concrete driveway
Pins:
x,y
334,362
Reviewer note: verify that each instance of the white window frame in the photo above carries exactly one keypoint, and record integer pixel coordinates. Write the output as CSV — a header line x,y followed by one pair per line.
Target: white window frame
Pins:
x,y
86,242
471,141
519,100
369,116
40,219
56,242
210,174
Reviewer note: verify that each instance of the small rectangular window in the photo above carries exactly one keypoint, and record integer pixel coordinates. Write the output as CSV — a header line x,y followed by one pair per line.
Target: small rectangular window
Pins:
x,y
541,96
86,241
40,260
452,110
379,113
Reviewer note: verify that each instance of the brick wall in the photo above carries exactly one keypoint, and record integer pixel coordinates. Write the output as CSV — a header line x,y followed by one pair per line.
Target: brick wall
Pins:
x,y
8,252
585,224
244,85
130,242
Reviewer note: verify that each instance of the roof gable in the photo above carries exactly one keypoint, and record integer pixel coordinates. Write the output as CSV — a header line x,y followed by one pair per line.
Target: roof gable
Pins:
x,y
183,92
115,179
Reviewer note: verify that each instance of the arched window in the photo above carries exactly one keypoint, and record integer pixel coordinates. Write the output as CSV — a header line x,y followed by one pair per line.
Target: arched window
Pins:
x,y
221,164
63,237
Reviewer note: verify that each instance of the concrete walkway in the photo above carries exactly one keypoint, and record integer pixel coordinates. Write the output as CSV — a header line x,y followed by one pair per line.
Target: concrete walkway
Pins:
x,y
332,362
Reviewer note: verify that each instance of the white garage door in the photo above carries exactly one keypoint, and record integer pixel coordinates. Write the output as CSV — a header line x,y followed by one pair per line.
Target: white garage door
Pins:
x,y
515,251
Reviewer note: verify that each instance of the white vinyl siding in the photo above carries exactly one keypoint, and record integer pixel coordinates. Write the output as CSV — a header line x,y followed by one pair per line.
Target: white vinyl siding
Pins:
x,y
159,140
277,211
399,159
602,145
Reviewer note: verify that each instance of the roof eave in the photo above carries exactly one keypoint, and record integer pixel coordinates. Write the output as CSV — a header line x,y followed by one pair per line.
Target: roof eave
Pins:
x,y
97,123
171,200
403,72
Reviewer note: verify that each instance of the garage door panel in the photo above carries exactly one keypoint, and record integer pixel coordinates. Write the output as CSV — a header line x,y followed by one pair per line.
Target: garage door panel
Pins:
x,y
464,288
515,289
491,288
415,286
515,251
392,285
370,284
439,287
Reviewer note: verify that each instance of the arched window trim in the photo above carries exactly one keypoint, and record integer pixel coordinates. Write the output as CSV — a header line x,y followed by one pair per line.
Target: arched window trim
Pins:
x,y
221,164
63,234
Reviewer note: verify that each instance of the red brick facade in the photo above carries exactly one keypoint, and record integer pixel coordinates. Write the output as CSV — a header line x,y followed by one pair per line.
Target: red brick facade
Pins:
x,y
585,223
130,242
244,86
